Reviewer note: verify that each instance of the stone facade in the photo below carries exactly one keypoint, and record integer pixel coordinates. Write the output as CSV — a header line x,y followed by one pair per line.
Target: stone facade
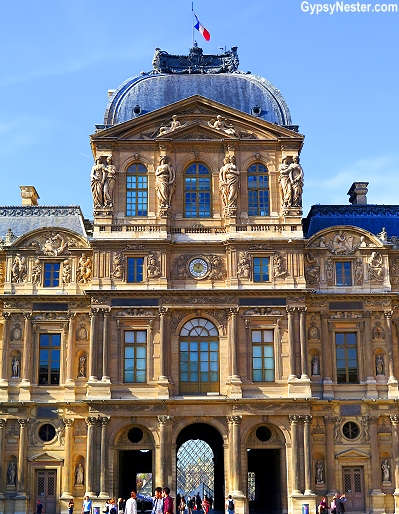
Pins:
x,y
100,322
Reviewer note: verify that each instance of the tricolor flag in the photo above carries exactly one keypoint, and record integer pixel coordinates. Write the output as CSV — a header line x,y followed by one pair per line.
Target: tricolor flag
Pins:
x,y
202,29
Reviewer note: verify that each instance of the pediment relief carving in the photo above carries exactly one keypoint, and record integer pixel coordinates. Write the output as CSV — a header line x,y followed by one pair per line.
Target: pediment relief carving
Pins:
x,y
341,242
45,457
53,243
352,454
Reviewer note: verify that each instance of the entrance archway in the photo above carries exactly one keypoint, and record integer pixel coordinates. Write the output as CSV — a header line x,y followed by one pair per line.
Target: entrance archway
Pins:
x,y
206,444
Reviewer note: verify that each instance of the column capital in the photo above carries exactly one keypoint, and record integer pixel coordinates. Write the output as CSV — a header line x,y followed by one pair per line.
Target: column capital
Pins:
x,y
165,420
27,315
104,420
6,316
106,311
234,420
294,418
71,315
94,311
3,423
324,315
330,420
91,421
307,419
373,420
23,422
302,310
233,311
367,314
388,314
290,310
68,422
163,311
394,419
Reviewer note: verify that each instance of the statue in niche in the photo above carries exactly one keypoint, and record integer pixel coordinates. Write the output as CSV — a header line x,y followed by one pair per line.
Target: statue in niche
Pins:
x,y
229,177
165,182
79,475
15,368
36,272
315,365
376,270
220,124
66,272
82,366
379,364
312,269
386,471
16,333
11,474
173,125
19,269
359,272
243,266
285,182
97,180
313,331
83,273
109,183
296,179
319,472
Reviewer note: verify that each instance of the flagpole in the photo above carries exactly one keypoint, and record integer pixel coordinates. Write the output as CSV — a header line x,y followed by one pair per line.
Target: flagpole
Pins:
x,y
192,10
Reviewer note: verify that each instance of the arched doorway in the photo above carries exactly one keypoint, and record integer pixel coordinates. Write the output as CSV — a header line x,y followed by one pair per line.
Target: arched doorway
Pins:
x,y
199,462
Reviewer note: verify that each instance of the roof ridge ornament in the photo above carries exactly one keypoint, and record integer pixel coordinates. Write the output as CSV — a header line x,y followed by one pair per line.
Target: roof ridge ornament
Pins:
x,y
195,62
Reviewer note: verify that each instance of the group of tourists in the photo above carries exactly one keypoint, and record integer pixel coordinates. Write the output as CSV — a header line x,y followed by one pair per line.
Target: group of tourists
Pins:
x,y
337,505
193,503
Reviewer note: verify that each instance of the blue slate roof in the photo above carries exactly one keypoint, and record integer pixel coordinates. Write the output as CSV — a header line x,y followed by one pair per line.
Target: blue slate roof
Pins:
x,y
368,217
27,218
238,90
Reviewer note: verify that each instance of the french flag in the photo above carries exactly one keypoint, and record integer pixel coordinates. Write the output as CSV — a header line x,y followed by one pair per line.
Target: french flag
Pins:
x,y
202,29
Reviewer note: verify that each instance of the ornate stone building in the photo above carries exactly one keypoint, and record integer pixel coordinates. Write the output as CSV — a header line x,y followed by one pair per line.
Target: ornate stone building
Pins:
x,y
198,305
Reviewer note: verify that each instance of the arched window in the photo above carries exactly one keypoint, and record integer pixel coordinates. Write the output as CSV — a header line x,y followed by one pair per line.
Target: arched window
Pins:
x,y
136,190
258,190
199,357
197,191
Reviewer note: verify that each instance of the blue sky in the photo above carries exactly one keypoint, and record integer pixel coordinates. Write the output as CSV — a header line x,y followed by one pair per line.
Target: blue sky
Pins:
x,y
338,72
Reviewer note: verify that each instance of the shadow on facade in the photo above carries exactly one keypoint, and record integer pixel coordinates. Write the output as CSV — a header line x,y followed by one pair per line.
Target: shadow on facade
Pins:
x,y
264,468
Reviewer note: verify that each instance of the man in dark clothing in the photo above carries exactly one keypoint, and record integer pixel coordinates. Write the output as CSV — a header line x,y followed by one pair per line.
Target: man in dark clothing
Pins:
x,y
39,508
198,501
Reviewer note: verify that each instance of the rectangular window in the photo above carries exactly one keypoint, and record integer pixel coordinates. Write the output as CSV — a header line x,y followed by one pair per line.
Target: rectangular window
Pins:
x,y
343,273
262,355
136,195
49,359
51,274
261,269
135,269
346,355
135,356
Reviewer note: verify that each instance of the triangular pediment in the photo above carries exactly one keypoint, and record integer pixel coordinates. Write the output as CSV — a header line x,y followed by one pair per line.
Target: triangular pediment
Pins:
x,y
352,454
45,457
197,118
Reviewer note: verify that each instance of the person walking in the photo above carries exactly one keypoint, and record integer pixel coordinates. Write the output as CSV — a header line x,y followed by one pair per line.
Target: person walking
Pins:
x,y
156,500
167,501
131,504
230,505
86,505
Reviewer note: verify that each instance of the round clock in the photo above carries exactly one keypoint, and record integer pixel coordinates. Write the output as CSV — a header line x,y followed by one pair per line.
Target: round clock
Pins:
x,y
198,267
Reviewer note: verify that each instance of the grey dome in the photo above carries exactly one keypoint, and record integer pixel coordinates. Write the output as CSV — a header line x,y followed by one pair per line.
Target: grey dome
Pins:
x,y
245,92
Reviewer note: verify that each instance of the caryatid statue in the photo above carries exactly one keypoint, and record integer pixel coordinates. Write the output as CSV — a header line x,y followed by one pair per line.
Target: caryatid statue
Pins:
x,y
109,183
229,178
97,180
165,182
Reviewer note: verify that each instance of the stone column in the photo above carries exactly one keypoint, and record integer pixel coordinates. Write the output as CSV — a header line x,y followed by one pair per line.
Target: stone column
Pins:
x,y
70,354
164,446
66,472
233,343
27,359
294,420
326,358
235,453
105,376
22,458
307,450
104,457
6,361
291,341
163,345
3,471
91,423
395,456
369,365
302,339
388,321
92,346
330,452
375,455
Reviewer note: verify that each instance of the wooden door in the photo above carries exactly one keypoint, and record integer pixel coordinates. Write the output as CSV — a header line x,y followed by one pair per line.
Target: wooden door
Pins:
x,y
46,481
354,488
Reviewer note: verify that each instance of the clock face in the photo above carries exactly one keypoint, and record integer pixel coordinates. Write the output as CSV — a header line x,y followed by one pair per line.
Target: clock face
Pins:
x,y
198,267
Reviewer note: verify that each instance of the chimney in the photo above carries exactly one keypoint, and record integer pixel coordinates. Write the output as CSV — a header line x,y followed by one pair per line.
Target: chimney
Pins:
x,y
29,195
358,193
